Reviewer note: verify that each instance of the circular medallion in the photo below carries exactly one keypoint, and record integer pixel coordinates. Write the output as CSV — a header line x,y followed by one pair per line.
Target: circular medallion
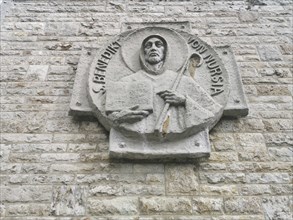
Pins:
x,y
129,97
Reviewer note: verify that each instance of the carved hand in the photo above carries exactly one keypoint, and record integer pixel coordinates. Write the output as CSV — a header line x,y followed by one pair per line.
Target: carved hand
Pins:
x,y
172,97
130,115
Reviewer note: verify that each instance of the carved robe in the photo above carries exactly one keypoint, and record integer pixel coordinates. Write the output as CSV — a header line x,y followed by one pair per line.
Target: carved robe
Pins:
x,y
199,110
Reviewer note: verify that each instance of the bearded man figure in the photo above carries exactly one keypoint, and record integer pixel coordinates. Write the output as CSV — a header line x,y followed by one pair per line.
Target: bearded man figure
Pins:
x,y
191,109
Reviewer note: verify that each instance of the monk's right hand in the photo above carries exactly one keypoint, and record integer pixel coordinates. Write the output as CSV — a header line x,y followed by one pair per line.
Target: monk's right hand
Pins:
x,y
130,115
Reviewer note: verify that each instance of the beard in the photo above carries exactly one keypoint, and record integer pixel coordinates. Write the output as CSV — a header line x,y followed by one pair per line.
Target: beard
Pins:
x,y
154,60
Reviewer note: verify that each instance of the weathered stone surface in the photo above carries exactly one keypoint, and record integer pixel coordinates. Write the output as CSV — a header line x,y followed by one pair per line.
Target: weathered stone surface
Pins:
x,y
213,167
34,168
204,206
26,193
43,150
68,200
281,154
248,16
266,189
2,210
268,178
243,205
165,205
223,142
114,206
26,138
224,157
119,189
215,178
28,210
279,139
37,72
269,53
214,190
277,208
181,180
148,168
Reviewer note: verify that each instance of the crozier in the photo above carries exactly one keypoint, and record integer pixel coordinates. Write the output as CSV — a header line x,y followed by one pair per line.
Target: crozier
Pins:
x,y
159,92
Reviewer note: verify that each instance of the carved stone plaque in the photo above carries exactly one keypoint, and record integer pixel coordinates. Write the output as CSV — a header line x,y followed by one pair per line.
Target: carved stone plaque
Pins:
x,y
158,91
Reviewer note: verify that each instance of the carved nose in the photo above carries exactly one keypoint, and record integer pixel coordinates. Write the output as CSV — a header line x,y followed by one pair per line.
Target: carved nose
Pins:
x,y
154,47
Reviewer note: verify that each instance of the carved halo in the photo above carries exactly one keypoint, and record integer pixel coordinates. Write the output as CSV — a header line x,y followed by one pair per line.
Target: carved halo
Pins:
x,y
177,48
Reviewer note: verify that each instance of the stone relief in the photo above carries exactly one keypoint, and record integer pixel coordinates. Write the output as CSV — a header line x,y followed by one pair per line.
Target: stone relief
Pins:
x,y
158,91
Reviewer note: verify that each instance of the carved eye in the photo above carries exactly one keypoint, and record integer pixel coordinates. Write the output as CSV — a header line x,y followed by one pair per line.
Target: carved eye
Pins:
x,y
159,44
148,45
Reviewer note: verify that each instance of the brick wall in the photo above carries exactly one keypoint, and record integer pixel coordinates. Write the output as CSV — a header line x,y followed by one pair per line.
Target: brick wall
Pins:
x,y
54,166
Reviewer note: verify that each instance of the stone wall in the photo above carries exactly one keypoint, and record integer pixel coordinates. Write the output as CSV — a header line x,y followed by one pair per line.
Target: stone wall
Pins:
x,y
54,166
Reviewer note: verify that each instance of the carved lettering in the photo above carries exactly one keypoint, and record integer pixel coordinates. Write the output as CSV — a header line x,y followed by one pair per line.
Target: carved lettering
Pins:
x,y
102,64
99,79
197,46
201,49
216,72
213,65
209,58
216,91
217,79
100,89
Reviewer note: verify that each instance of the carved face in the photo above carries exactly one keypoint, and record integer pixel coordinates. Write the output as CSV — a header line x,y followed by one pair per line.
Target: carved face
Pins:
x,y
154,50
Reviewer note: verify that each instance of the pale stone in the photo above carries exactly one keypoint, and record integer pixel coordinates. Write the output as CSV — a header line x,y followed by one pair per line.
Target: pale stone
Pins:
x,y
127,189
71,168
281,154
205,206
148,168
252,154
243,205
68,200
4,152
50,157
26,193
175,10
2,210
268,178
181,179
27,138
213,190
248,16
28,210
216,178
279,139
254,190
37,72
165,205
250,157
223,142
250,139
82,147
269,53
10,168
35,168
223,157
213,167
277,208
239,217
114,206
282,189
241,167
